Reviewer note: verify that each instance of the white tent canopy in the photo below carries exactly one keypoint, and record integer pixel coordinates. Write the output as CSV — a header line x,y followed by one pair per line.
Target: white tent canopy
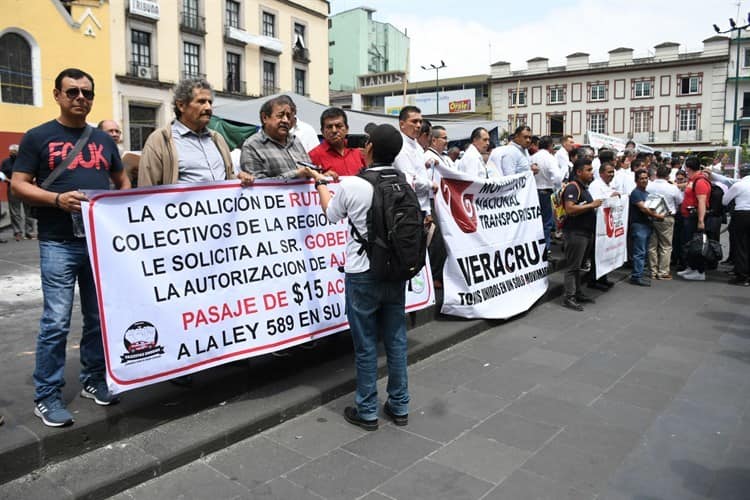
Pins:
x,y
309,111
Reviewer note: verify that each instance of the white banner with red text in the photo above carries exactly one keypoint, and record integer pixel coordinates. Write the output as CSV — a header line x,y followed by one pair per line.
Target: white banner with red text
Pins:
x,y
194,276
611,244
497,265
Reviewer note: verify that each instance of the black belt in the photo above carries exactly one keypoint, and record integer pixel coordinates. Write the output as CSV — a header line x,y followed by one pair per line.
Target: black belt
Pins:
x,y
548,191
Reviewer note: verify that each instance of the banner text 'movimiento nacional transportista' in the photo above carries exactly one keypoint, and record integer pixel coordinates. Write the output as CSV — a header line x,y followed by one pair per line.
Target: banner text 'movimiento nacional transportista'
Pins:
x,y
497,264
190,277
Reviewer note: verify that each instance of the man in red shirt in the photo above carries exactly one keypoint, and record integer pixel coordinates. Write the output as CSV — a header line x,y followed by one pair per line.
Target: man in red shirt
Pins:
x,y
694,210
332,155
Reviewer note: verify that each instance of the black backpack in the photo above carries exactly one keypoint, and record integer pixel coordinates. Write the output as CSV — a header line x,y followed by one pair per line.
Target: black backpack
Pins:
x,y
715,204
396,237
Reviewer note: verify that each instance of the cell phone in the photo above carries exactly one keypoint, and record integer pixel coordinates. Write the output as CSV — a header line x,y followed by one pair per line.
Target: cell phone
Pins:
x,y
309,165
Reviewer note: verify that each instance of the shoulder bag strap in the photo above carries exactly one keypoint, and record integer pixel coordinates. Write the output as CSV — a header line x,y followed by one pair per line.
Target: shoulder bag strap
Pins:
x,y
80,143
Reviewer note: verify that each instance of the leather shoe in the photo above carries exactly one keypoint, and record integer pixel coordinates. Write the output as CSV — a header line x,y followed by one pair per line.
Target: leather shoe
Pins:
x,y
740,281
598,286
584,299
399,420
352,416
572,303
640,282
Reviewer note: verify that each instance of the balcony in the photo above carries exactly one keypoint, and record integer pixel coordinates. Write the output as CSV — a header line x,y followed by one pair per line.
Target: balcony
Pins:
x,y
144,71
301,55
192,23
235,35
234,86
687,135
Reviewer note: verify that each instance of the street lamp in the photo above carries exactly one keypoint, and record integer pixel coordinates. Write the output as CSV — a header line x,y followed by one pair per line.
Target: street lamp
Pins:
x,y
437,81
738,29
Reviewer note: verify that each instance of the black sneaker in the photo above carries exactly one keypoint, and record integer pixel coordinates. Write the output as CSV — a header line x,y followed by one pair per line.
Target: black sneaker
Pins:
x,y
640,282
351,416
99,392
572,303
584,299
399,420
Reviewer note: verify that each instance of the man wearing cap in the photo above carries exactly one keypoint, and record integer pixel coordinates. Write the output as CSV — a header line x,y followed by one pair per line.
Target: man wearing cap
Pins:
x,y
373,307
24,226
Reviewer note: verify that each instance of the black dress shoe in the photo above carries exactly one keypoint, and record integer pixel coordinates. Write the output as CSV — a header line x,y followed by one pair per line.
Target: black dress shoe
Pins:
x,y
399,420
352,416
598,286
640,282
607,283
739,280
572,303
584,299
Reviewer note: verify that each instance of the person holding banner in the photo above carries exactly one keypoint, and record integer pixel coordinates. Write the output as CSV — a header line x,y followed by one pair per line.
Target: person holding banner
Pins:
x,y
274,152
578,231
186,150
333,155
640,227
373,307
410,159
472,162
56,160
601,189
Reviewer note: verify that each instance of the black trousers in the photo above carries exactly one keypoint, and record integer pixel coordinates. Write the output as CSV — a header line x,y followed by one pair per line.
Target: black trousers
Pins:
x,y
741,228
713,229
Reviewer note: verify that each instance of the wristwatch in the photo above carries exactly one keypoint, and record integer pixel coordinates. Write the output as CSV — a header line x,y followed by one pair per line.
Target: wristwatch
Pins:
x,y
321,182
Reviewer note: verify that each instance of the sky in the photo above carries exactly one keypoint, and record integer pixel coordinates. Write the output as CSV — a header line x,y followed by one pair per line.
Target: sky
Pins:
x,y
469,40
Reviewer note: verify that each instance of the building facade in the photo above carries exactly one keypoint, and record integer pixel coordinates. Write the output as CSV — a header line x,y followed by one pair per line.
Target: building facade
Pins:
x,y
668,100
40,38
245,48
465,97
359,45
738,92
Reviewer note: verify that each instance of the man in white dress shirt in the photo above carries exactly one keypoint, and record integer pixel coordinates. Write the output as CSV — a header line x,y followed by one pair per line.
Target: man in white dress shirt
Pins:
x,y
434,156
601,189
563,155
410,160
739,192
660,244
472,162
548,176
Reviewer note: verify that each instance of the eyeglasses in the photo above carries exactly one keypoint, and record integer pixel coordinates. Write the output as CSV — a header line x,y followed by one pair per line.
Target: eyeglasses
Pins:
x,y
74,92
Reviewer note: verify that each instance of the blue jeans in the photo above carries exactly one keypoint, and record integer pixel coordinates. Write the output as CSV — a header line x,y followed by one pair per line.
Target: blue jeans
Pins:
x,y
639,234
61,264
548,218
376,307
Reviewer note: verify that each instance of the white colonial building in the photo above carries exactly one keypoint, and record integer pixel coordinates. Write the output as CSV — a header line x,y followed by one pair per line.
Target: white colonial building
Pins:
x,y
669,100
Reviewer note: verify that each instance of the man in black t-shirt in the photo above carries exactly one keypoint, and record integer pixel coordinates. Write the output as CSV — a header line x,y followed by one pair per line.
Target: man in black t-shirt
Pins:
x,y
63,255
578,231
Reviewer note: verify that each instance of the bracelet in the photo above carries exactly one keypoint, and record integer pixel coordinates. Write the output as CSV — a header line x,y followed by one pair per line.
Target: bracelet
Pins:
x,y
57,200
321,182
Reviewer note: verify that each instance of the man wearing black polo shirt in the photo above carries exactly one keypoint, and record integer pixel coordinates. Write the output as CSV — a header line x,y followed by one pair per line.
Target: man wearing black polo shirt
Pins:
x,y
63,255
578,231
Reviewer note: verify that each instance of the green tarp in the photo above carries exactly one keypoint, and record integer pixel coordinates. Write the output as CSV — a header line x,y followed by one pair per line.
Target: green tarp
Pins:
x,y
233,132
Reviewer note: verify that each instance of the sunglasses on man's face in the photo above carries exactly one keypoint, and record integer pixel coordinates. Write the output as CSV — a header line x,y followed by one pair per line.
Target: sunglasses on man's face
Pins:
x,y
74,92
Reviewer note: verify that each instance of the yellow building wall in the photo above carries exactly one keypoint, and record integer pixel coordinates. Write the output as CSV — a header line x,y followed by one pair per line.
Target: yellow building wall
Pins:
x,y
84,45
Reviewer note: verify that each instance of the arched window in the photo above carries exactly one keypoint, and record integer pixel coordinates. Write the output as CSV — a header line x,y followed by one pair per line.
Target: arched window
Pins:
x,y
16,78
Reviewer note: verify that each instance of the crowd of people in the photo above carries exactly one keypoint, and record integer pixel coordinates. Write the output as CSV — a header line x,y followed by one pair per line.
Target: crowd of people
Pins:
x,y
60,158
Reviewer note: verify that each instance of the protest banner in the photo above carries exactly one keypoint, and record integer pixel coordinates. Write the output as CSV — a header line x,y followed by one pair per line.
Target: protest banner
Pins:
x,y
193,276
611,245
497,264
597,140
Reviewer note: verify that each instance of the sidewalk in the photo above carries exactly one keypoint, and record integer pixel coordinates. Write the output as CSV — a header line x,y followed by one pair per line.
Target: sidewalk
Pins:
x,y
644,397
274,389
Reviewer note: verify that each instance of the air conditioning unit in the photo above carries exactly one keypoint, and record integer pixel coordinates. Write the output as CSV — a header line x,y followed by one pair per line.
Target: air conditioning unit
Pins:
x,y
144,72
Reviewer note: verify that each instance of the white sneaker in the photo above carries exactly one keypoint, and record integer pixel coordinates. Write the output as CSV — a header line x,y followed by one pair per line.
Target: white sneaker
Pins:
x,y
685,271
694,276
